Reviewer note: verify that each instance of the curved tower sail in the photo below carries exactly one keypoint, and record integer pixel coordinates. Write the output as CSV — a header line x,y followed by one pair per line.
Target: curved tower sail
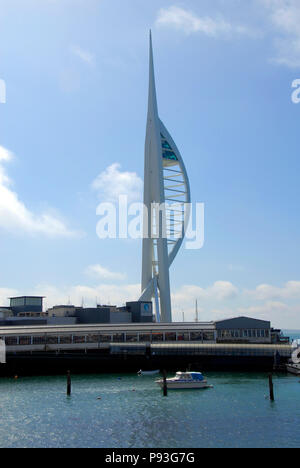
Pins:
x,y
166,200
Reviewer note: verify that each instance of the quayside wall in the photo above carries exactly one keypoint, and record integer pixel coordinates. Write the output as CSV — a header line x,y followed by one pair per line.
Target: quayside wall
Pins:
x,y
130,357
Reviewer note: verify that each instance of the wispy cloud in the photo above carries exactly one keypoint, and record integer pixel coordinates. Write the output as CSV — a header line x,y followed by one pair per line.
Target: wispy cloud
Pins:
x,y
84,55
291,290
116,294
112,183
5,293
101,273
17,218
189,22
221,300
285,18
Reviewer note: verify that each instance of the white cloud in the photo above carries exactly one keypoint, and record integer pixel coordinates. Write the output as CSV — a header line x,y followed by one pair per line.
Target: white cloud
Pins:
x,y
112,183
184,299
188,22
218,301
114,294
291,290
5,293
17,218
83,55
102,273
220,290
280,314
285,17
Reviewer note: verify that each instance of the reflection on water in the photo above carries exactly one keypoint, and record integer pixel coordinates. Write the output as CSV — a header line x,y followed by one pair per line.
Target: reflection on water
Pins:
x,y
105,411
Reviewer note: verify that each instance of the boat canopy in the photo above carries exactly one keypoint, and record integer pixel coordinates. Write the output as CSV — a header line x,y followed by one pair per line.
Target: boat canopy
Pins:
x,y
197,376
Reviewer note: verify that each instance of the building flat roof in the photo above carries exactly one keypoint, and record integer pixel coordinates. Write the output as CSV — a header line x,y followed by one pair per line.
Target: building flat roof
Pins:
x,y
27,297
107,328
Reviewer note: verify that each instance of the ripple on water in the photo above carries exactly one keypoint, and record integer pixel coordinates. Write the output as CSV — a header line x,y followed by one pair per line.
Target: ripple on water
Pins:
x,y
37,413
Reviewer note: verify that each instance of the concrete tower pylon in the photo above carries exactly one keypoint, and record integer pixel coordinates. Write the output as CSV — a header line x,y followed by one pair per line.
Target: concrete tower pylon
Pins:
x,y
166,211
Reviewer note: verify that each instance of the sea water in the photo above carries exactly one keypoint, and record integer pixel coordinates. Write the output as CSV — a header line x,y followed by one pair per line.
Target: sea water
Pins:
x,y
129,411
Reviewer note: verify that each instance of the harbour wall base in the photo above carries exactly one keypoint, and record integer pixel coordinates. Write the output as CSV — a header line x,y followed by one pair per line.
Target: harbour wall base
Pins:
x,y
34,364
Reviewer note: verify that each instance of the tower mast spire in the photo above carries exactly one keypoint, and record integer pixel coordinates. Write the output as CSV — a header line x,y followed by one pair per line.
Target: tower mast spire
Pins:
x,y
162,161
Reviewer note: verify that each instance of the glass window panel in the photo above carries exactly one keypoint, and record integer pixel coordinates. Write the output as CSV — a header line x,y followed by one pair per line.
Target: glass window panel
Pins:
x,y
66,339
11,340
105,338
25,340
208,336
183,337
170,336
145,337
38,340
118,338
131,337
170,155
52,339
92,338
197,336
157,337
78,339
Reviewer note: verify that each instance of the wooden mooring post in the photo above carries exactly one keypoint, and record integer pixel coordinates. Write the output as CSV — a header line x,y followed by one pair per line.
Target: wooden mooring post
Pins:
x,y
69,383
165,386
271,387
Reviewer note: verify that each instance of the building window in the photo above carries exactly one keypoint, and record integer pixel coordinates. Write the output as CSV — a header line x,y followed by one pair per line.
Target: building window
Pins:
x,y
196,336
11,340
92,339
145,338
25,340
208,336
131,337
65,339
118,338
78,339
157,337
105,338
170,336
52,339
183,336
39,340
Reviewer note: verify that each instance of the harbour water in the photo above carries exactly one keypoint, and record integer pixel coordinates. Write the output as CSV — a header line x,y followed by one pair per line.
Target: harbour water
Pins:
x,y
35,412
128,411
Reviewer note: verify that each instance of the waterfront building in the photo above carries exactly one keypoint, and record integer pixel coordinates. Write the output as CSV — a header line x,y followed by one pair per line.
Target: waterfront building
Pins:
x,y
26,306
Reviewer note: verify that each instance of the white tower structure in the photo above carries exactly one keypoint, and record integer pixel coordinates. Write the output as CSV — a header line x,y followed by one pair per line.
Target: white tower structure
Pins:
x,y
166,185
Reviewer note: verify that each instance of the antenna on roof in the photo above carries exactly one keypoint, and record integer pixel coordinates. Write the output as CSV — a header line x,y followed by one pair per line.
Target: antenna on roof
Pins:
x,y
197,315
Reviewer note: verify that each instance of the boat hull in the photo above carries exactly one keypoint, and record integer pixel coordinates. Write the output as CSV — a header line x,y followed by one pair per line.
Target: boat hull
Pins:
x,y
183,385
145,373
293,369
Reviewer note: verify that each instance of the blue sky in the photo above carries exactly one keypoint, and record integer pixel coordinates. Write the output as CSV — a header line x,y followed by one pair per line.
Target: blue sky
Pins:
x,y
76,73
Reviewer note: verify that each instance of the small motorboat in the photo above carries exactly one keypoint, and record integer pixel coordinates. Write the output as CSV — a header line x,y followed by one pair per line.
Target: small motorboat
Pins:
x,y
293,368
153,372
185,380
